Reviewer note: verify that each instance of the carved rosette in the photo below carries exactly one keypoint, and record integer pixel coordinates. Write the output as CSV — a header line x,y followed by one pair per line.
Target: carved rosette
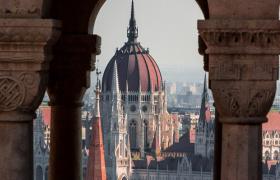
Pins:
x,y
24,63
243,67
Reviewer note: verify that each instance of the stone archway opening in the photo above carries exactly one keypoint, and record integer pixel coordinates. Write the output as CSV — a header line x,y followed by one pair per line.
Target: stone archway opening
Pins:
x,y
109,20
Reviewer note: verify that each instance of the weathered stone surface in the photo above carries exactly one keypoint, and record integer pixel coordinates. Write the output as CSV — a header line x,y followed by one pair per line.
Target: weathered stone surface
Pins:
x,y
242,59
24,62
243,66
243,9
74,58
23,8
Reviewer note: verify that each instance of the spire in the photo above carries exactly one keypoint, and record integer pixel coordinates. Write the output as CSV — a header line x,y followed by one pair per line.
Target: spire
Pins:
x,y
96,163
116,95
156,143
115,79
132,30
97,94
204,108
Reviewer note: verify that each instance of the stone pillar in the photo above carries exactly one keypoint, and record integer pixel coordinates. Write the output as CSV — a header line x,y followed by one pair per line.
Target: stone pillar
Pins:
x,y
74,58
243,70
24,63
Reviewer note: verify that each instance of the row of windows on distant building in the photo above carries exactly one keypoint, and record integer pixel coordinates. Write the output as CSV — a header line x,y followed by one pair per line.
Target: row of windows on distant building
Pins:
x,y
131,98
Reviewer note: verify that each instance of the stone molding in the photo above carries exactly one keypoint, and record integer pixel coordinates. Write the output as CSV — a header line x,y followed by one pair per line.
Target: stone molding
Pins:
x,y
242,59
24,65
244,67
240,36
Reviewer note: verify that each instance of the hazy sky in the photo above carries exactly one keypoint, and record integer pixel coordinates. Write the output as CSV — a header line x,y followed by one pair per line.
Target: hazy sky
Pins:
x,y
167,28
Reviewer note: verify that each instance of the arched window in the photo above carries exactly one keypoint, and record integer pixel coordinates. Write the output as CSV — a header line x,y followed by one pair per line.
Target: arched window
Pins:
x,y
84,172
46,173
39,173
267,155
146,134
122,148
132,133
275,155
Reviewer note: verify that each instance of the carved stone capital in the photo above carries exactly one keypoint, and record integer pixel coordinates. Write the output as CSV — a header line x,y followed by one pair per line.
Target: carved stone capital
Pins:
x,y
74,58
24,58
243,102
243,67
240,36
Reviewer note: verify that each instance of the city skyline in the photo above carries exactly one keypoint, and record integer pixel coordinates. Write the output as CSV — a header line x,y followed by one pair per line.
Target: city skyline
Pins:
x,y
170,37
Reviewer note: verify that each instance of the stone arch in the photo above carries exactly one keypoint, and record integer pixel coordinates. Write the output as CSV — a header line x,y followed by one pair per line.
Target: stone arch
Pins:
x,y
185,165
204,7
39,173
123,177
94,14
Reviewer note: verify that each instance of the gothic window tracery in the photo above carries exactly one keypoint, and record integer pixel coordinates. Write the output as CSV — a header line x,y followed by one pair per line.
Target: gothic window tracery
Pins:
x,y
276,155
146,134
132,133
267,155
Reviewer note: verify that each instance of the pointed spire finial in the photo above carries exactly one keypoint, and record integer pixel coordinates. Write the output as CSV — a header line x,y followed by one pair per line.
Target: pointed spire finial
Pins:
x,y
97,94
132,31
115,79
204,108
205,83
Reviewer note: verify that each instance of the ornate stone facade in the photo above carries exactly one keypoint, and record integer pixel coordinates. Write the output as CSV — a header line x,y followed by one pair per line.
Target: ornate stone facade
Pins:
x,y
242,59
134,107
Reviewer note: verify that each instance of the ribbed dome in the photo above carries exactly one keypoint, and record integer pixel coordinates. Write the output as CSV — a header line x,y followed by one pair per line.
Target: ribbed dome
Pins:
x,y
136,67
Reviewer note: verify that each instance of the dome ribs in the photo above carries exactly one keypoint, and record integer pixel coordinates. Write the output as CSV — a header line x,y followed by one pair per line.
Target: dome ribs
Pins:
x,y
133,77
158,73
123,71
148,75
144,73
136,67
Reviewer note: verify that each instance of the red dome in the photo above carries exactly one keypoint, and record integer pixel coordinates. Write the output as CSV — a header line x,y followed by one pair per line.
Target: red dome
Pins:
x,y
136,67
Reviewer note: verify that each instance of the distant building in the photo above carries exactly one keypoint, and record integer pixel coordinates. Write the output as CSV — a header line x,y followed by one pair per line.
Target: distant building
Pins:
x,y
271,137
41,143
171,88
134,107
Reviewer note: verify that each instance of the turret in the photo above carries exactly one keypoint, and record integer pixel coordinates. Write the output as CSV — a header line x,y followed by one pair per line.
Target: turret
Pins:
x,y
132,30
96,163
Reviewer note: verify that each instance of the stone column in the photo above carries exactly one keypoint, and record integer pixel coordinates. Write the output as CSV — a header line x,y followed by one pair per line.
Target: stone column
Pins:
x,y
243,70
74,58
24,63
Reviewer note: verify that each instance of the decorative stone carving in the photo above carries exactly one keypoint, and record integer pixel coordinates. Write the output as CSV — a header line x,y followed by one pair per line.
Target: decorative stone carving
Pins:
x,y
12,93
240,37
237,108
243,67
24,49
22,8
